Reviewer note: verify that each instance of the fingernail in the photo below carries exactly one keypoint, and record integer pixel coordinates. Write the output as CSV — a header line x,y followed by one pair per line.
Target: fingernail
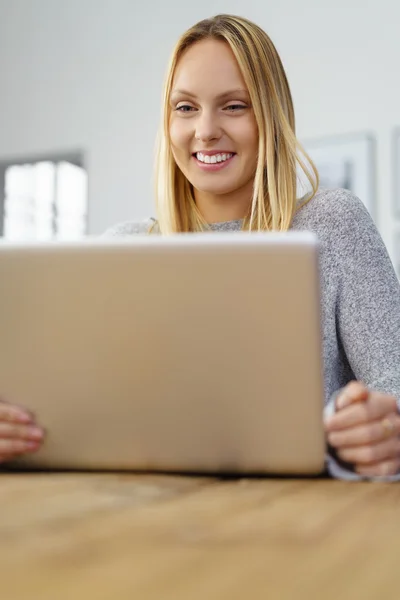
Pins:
x,y
327,423
23,417
341,401
32,445
36,432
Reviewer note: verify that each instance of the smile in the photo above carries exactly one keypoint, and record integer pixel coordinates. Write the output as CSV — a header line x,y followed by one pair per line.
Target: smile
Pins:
x,y
214,158
213,162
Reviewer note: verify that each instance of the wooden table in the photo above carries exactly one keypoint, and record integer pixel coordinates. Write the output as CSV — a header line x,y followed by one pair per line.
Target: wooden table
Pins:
x,y
138,537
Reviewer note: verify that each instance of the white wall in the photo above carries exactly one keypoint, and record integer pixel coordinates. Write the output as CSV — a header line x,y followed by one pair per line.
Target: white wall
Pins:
x,y
88,74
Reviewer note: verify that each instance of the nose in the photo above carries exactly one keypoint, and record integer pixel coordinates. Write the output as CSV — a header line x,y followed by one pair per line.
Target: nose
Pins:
x,y
207,127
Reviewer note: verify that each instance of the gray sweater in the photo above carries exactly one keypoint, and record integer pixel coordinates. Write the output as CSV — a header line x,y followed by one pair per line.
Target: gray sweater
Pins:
x,y
359,289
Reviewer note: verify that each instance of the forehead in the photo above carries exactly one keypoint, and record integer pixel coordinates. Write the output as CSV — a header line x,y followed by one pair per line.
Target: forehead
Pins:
x,y
208,67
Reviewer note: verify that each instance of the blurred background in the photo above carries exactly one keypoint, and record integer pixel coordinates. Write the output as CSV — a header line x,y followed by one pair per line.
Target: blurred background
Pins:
x,y
80,103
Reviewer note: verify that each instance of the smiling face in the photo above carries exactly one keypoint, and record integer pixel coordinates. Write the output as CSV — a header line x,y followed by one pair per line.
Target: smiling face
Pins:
x,y
213,131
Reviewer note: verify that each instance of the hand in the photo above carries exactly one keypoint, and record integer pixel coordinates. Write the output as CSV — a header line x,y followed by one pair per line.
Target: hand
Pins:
x,y
365,430
19,433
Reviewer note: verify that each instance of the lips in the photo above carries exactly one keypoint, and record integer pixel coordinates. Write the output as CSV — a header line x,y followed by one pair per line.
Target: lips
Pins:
x,y
211,162
212,153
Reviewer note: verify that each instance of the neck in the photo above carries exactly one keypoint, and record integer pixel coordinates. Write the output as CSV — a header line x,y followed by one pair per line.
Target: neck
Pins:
x,y
218,208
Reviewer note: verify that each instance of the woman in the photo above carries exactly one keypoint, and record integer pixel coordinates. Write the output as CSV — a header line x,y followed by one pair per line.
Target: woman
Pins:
x,y
228,159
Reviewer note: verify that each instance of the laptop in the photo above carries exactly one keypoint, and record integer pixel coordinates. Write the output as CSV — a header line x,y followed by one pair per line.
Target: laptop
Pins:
x,y
194,353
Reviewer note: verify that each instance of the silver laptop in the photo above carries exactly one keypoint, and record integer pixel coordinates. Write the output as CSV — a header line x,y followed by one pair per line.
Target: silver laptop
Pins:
x,y
189,353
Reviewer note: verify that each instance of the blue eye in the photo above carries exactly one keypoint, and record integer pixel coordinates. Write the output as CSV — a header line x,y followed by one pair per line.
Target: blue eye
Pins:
x,y
235,107
184,108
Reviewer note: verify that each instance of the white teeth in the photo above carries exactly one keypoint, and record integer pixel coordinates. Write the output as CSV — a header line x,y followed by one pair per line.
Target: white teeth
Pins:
x,y
214,158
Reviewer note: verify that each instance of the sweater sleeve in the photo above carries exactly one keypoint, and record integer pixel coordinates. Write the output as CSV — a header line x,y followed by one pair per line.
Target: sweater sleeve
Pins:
x,y
368,310
368,305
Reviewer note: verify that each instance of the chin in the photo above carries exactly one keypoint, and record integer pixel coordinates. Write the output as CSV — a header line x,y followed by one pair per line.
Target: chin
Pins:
x,y
217,190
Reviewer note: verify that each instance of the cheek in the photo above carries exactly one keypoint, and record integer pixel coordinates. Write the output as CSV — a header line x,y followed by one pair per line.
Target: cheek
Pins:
x,y
246,137
180,136
252,137
252,152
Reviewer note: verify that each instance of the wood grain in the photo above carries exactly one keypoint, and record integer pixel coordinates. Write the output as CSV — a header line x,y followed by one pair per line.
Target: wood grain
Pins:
x,y
172,538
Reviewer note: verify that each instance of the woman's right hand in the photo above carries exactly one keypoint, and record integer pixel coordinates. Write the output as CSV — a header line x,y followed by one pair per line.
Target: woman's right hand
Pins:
x,y
19,432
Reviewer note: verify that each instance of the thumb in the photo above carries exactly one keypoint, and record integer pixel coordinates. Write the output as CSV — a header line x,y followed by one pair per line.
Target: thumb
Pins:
x,y
355,391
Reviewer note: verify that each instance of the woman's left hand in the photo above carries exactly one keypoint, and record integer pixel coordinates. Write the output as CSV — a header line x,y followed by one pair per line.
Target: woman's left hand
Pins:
x,y
365,430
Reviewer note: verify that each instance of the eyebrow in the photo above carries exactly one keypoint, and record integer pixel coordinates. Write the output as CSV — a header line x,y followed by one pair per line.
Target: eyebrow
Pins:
x,y
219,97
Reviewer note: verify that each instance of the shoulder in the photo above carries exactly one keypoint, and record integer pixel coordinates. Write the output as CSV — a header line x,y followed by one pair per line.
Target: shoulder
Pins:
x,y
346,231
333,211
130,228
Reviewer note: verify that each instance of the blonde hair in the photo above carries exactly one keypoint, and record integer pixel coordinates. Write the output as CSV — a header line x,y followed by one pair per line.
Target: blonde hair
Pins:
x,y
274,201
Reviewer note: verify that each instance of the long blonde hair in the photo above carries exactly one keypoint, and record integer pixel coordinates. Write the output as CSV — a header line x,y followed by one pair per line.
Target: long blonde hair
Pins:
x,y
280,155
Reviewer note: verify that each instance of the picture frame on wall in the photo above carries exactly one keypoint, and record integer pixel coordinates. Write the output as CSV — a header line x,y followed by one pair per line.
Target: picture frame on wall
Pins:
x,y
396,172
349,162
396,257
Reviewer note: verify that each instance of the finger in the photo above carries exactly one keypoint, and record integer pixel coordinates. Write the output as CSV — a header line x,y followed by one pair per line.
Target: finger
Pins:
x,y
371,453
367,433
376,407
14,413
12,447
355,391
380,469
23,432
7,458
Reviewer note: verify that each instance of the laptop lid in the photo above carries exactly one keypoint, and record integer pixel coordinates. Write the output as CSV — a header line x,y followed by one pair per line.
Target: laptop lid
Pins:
x,y
195,352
